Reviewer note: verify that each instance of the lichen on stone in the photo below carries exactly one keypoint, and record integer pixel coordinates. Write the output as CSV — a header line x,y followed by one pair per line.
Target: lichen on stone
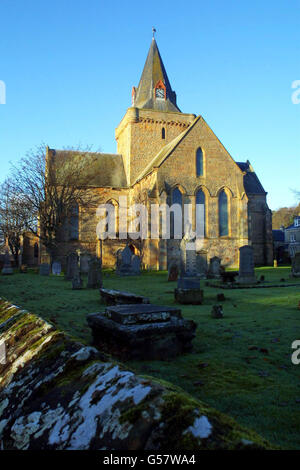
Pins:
x,y
56,393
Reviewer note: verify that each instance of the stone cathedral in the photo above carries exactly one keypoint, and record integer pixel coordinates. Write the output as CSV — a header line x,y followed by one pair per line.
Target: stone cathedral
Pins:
x,y
167,156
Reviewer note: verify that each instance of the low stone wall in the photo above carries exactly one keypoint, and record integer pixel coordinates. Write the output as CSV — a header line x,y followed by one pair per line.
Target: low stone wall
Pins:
x,y
56,393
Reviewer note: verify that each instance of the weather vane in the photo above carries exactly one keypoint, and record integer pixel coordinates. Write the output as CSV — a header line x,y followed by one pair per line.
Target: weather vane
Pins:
x,y
153,32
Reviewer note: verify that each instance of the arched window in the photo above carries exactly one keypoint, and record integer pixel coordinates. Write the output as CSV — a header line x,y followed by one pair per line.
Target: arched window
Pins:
x,y
36,250
74,223
200,214
223,214
177,196
177,215
199,162
163,133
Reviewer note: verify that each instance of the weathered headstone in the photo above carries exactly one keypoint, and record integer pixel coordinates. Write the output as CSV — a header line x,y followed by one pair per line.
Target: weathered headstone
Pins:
x,y
76,280
173,272
44,269
23,269
84,259
201,264
56,268
188,287
118,260
7,269
246,268
126,256
72,266
127,264
136,265
94,274
117,297
296,265
217,311
214,271
188,266
142,331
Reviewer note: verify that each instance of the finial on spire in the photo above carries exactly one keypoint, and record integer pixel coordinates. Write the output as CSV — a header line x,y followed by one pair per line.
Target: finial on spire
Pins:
x,y
153,32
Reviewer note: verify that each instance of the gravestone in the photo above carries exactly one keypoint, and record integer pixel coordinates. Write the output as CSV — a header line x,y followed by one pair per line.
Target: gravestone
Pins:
x,y
72,265
214,270
94,274
56,268
23,269
188,287
84,259
118,260
44,269
142,331
189,278
296,265
136,265
117,297
173,272
76,280
127,264
246,268
201,264
7,269
217,311
126,256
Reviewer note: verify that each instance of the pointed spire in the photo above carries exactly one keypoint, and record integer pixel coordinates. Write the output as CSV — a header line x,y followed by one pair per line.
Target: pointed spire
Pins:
x,y
154,77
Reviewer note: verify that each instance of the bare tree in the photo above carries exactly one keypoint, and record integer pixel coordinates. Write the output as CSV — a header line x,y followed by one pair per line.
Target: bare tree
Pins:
x,y
51,185
12,223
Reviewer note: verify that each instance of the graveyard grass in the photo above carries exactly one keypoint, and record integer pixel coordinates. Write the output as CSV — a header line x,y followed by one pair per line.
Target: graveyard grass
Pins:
x,y
241,364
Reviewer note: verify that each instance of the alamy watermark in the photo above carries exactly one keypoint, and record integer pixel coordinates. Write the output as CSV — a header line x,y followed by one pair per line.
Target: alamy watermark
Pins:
x,y
2,353
296,93
296,354
2,92
154,221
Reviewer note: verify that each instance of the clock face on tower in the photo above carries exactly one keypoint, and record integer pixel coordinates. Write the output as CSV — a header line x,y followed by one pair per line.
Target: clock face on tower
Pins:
x,y
160,93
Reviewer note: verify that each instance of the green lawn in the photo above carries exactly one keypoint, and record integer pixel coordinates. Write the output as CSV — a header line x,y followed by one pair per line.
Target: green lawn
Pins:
x,y
260,389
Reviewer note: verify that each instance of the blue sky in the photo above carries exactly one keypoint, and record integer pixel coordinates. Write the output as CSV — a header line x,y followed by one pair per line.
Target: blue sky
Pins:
x,y
69,66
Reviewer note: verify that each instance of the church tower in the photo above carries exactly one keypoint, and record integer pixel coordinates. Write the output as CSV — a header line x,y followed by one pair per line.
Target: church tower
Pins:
x,y
153,120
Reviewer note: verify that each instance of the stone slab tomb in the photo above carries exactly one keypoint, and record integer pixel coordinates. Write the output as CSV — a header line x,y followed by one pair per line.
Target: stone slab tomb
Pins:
x,y
142,331
117,297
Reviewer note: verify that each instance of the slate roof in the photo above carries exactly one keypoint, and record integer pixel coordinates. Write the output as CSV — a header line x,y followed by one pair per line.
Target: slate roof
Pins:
x,y
104,169
251,182
293,226
154,71
278,235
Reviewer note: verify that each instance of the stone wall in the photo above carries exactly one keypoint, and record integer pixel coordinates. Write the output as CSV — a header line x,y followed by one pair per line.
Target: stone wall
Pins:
x,y
56,393
139,136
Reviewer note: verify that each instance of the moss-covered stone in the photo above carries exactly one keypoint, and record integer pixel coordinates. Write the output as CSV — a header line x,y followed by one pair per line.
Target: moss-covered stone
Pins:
x,y
56,393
